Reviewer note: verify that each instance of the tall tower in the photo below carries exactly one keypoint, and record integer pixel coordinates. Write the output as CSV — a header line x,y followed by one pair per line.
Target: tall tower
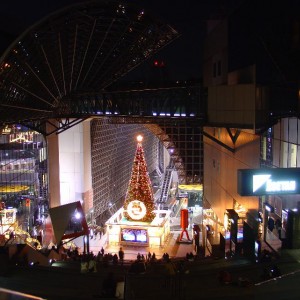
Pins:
x,y
139,200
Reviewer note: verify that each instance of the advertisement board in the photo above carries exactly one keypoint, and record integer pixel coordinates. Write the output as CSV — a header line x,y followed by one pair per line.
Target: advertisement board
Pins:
x,y
134,235
276,181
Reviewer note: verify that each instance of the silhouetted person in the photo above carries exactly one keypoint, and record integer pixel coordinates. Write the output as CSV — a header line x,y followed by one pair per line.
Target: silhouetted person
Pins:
x,y
137,267
109,286
115,259
153,258
121,255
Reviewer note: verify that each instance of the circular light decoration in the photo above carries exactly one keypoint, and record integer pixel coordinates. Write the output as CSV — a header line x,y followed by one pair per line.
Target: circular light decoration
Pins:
x,y
139,138
136,210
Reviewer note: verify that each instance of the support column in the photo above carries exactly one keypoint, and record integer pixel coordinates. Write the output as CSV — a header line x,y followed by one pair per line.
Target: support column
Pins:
x,y
53,167
75,165
87,167
69,166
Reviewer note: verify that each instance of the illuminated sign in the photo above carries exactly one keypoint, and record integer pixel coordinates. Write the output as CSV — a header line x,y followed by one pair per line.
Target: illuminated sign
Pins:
x,y
6,130
136,210
190,187
134,235
21,137
258,182
272,186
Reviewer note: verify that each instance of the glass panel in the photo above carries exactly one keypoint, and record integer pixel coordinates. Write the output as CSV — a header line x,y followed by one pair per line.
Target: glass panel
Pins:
x,y
285,155
293,156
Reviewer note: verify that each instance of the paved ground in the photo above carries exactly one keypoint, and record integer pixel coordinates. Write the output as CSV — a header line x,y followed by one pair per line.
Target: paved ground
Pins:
x,y
172,247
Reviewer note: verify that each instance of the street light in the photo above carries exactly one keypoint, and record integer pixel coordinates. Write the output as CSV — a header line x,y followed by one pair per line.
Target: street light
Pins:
x,y
77,215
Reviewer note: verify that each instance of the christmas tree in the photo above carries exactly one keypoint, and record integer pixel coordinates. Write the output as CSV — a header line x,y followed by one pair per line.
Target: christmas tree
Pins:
x,y
139,200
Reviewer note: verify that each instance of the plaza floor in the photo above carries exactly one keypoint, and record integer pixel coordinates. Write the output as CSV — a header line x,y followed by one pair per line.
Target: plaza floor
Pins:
x,y
172,245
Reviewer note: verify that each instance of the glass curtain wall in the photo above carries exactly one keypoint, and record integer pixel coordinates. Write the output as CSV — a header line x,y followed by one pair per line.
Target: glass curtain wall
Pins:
x,y
280,148
23,173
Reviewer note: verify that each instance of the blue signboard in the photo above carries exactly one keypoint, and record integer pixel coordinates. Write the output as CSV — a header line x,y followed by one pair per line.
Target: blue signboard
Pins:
x,y
259,182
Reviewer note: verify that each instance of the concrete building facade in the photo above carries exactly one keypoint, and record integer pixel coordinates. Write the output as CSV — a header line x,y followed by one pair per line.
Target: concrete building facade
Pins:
x,y
247,105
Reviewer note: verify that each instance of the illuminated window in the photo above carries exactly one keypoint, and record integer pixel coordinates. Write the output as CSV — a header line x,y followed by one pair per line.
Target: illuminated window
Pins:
x,y
293,156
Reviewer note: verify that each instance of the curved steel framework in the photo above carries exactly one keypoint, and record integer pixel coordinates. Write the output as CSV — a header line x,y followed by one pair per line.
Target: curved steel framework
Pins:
x,y
82,48
61,71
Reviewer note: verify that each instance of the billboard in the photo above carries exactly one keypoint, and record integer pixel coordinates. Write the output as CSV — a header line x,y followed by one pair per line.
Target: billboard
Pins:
x,y
275,181
134,235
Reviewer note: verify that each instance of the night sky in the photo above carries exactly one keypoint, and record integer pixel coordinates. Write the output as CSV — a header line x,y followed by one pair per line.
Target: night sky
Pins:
x,y
182,58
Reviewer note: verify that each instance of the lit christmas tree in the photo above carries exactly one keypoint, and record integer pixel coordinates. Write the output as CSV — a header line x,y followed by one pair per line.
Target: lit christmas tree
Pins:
x,y
139,200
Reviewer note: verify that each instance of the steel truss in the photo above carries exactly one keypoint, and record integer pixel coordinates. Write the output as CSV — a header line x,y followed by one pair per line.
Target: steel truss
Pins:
x,y
61,71
84,47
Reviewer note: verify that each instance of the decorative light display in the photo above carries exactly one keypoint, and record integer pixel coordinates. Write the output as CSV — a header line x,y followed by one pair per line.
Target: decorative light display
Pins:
x,y
139,200
136,210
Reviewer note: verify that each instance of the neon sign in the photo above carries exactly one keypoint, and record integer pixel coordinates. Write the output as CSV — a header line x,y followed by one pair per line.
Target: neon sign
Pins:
x,y
21,137
258,182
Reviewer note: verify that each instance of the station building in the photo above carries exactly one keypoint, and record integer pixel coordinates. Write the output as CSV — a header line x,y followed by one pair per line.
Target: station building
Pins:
x,y
252,123
252,115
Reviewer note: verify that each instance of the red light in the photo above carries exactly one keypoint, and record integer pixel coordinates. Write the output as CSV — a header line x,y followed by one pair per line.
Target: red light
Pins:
x,y
159,63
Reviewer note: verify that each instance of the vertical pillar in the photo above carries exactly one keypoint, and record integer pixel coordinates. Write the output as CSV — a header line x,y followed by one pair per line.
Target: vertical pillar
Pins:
x,y
69,165
53,166
87,165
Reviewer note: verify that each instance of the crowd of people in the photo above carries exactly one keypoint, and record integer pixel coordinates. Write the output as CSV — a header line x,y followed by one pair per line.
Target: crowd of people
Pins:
x,y
113,285
91,262
144,263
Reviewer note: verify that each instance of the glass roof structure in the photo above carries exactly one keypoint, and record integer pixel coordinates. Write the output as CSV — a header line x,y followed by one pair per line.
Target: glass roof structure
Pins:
x,y
82,48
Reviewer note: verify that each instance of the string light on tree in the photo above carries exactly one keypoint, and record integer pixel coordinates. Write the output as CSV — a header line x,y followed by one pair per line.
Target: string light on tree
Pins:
x,y
139,200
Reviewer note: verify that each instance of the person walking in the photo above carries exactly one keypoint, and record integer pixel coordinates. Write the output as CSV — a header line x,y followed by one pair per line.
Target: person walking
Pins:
x,y
121,255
